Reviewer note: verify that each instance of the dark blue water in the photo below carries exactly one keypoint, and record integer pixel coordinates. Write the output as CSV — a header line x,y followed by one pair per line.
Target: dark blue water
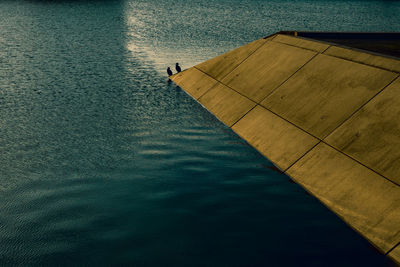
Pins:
x,y
103,162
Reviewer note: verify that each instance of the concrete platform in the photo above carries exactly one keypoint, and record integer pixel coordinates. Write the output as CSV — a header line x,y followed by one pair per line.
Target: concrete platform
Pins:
x,y
325,92
325,114
274,137
228,105
266,69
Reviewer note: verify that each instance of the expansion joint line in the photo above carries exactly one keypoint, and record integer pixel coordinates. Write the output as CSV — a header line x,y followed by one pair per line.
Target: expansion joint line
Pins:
x,y
211,87
243,115
245,58
361,62
362,164
276,88
297,160
304,48
256,104
323,52
359,108
320,140
390,250
228,87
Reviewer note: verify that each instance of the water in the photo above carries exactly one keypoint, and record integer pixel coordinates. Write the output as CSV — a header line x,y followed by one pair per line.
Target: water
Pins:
x,y
103,162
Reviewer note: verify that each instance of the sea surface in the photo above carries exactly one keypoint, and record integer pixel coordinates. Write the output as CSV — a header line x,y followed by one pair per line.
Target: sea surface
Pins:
x,y
105,162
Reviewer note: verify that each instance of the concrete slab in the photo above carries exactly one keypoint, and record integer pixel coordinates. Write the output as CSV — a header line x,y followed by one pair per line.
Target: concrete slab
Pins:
x,y
220,66
226,104
395,254
303,43
275,138
195,82
372,135
365,200
325,92
365,58
320,94
266,69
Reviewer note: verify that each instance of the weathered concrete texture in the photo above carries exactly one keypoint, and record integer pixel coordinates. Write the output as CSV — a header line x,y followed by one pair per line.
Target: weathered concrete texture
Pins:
x,y
220,66
372,135
277,139
266,69
226,104
325,92
327,116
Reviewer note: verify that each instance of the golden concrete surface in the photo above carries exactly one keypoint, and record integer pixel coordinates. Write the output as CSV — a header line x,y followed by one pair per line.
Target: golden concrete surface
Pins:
x,y
372,135
195,82
366,201
395,254
220,66
226,104
286,94
387,63
278,140
266,69
299,42
325,92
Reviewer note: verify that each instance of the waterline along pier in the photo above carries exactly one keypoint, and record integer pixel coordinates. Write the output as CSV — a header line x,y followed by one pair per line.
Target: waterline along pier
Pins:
x,y
325,109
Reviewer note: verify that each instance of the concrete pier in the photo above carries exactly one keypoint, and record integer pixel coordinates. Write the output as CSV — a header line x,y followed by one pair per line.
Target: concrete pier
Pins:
x,y
325,114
